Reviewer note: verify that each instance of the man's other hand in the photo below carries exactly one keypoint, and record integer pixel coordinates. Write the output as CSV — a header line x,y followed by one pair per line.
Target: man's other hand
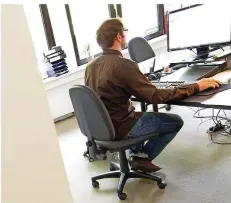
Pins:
x,y
207,83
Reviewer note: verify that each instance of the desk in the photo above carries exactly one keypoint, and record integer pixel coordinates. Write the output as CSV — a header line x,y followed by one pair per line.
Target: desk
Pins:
x,y
221,100
164,60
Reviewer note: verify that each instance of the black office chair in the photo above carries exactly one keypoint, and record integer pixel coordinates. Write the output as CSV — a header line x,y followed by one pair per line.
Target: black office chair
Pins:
x,y
95,123
140,50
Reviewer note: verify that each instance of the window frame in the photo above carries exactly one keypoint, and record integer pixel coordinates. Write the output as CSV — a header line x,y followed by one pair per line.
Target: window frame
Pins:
x,y
160,12
74,41
47,26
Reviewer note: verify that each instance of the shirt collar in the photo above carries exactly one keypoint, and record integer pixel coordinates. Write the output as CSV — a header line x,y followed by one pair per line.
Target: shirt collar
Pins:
x,y
112,51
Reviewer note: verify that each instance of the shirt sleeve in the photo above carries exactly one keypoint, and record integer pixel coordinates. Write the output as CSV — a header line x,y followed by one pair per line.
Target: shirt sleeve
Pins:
x,y
135,83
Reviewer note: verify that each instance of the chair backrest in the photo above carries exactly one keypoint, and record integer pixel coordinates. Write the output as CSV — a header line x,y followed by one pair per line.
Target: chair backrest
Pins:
x,y
140,50
91,114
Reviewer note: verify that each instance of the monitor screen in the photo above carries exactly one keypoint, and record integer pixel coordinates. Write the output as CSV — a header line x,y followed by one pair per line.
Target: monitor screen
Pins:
x,y
199,25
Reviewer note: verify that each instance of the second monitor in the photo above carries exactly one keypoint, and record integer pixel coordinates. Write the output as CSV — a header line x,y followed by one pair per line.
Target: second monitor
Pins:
x,y
199,27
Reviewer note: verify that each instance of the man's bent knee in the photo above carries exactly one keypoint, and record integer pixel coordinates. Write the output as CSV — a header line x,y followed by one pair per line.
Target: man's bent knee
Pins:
x,y
178,120
174,118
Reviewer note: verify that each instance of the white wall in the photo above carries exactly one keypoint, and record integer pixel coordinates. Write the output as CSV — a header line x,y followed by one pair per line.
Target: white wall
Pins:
x,y
32,166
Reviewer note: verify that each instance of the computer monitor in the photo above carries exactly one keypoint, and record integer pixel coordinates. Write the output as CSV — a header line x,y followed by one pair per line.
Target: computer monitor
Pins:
x,y
199,26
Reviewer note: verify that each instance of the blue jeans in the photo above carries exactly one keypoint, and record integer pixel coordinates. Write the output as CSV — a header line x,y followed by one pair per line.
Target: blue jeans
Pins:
x,y
166,125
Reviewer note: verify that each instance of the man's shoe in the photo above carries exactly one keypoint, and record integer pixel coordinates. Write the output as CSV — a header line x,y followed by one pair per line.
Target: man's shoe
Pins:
x,y
115,157
143,164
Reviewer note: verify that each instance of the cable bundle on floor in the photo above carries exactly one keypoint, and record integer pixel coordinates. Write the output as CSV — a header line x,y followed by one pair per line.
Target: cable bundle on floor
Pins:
x,y
222,124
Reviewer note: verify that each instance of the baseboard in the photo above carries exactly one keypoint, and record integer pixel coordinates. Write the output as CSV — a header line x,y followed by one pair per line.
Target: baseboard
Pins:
x,y
64,117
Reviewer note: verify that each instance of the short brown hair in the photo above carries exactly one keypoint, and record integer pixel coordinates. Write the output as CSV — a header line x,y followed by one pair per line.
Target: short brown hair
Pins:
x,y
107,32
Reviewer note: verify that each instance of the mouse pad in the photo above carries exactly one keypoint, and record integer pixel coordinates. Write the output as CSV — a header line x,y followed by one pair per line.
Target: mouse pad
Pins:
x,y
214,91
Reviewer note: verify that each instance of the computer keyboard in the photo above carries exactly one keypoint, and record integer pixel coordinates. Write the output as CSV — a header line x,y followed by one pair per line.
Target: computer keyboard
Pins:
x,y
171,84
168,84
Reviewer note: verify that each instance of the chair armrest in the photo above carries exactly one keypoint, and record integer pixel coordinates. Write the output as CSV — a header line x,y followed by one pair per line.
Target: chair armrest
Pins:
x,y
124,144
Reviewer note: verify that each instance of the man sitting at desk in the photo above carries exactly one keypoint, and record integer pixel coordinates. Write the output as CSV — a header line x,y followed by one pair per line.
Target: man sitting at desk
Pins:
x,y
115,79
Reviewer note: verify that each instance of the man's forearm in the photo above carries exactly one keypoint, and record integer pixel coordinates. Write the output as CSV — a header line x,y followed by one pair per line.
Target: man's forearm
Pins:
x,y
165,95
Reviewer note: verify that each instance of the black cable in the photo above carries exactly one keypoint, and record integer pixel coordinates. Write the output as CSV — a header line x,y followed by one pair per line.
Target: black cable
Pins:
x,y
203,122
198,112
191,108
216,142
211,117
225,125
217,117
225,114
223,130
192,51
216,122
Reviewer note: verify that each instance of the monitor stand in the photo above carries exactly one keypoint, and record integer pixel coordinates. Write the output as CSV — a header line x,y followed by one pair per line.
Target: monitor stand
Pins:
x,y
202,53
201,58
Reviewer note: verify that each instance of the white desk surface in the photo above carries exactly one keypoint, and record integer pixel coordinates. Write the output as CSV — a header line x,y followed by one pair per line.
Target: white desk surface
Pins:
x,y
164,59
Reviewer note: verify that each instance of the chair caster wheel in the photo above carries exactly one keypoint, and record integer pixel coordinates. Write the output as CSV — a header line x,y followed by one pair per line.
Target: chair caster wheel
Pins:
x,y
112,168
85,154
168,108
162,185
122,195
91,159
95,184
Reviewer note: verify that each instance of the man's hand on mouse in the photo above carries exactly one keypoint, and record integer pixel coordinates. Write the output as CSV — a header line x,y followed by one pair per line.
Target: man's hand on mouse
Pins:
x,y
207,83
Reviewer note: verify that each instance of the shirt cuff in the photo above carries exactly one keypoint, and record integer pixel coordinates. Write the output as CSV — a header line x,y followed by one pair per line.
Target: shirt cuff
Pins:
x,y
196,88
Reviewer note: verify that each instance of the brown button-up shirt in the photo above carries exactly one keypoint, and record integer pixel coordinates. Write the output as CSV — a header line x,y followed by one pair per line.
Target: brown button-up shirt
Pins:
x,y
115,79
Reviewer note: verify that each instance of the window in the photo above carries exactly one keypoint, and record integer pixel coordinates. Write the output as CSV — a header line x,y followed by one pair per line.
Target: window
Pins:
x,y
47,26
62,33
73,26
84,18
84,21
143,19
172,7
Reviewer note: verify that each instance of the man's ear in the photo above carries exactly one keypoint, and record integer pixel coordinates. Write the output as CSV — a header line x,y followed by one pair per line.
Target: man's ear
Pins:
x,y
119,37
